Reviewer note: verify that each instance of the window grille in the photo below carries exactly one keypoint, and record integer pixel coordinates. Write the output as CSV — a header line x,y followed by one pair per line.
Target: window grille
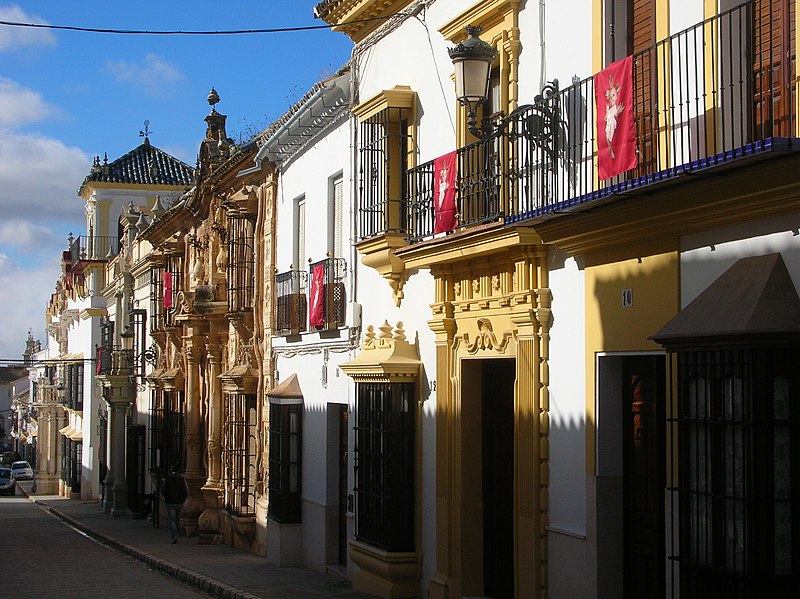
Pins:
x,y
139,328
383,161
240,454
329,291
157,298
173,285
105,349
241,263
71,455
167,431
384,465
74,386
736,421
292,303
285,442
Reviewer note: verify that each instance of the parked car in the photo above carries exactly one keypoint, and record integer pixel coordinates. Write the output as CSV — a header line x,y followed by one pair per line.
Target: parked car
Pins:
x,y
22,470
7,483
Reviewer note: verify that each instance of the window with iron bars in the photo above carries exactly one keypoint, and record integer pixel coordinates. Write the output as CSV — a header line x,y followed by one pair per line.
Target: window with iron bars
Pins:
x,y
327,295
285,442
383,161
74,386
738,455
157,298
384,465
172,286
241,262
240,454
292,303
167,431
104,351
71,456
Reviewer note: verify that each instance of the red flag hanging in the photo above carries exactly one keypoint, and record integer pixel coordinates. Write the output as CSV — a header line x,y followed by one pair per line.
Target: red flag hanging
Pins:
x,y
444,193
616,133
316,315
167,290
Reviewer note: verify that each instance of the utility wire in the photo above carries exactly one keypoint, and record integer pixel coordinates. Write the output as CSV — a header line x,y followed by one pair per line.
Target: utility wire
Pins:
x,y
178,32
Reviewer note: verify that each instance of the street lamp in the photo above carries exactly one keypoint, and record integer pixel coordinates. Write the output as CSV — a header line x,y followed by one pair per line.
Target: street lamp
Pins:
x,y
472,60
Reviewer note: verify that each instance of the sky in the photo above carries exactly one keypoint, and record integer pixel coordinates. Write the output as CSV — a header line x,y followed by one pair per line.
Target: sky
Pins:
x,y
67,96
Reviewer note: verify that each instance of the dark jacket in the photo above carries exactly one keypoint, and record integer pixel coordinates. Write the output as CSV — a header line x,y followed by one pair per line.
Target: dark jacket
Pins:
x,y
174,488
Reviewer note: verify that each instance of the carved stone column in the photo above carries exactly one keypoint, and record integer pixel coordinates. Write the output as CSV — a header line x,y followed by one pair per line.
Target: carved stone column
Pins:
x,y
119,392
194,505
210,520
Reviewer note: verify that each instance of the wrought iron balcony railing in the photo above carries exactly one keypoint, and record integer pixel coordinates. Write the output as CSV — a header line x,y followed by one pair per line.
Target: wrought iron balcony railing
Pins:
x,y
716,92
115,361
94,247
327,297
292,303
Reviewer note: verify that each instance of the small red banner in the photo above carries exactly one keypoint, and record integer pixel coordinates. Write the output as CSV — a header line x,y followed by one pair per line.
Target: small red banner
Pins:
x,y
167,290
444,193
316,315
616,132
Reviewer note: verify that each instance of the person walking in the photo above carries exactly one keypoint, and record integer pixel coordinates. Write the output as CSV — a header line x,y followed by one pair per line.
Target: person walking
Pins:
x,y
175,491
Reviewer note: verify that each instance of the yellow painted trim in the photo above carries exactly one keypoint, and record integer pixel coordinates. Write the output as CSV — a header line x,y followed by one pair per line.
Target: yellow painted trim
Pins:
x,y
401,96
597,36
488,15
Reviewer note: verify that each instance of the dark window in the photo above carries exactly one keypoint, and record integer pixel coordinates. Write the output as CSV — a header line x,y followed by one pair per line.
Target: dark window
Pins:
x,y
241,263
172,285
383,162
167,431
285,439
74,390
157,298
240,450
737,430
384,465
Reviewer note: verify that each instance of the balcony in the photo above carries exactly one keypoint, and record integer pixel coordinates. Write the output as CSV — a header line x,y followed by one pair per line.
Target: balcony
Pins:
x,y
292,303
319,305
93,248
718,95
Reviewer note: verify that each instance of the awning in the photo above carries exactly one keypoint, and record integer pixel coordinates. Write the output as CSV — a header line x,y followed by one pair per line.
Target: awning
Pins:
x,y
753,298
288,392
71,432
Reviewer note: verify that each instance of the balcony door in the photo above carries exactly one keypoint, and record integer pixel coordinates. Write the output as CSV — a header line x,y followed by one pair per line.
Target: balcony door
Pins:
x,y
642,40
773,67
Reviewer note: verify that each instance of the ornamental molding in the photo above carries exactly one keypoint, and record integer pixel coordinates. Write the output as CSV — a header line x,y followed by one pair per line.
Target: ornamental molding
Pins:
x,y
486,339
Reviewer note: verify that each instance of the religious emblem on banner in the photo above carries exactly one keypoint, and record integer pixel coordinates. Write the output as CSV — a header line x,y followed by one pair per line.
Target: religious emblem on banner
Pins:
x,y
444,192
316,315
616,132
167,278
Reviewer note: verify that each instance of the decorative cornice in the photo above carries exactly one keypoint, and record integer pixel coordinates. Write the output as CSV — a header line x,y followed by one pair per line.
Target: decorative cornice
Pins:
x,y
400,96
384,357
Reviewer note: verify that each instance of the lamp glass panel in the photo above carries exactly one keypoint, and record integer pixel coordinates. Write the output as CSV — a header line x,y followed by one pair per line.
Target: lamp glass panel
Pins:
x,y
475,77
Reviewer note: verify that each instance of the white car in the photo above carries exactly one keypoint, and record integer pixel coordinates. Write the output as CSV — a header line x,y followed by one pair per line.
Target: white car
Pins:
x,y
22,470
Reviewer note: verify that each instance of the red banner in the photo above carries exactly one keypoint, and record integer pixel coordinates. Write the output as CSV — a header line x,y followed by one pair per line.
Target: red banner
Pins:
x,y
616,132
167,290
444,193
316,315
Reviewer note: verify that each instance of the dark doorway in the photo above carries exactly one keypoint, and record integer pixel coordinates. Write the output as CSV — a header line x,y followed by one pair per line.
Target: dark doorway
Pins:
x,y
134,455
497,415
344,419
643,388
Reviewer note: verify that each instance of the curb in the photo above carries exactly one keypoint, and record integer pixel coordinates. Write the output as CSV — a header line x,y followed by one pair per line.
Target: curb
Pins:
x,y
206,584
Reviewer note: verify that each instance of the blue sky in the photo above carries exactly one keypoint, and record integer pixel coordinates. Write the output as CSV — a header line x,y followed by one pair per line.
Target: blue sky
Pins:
x,y
67,96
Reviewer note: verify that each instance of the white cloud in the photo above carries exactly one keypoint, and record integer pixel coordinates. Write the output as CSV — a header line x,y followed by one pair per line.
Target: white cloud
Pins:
x,y
23,297
27,235
154,75
19,38
20,105
40,177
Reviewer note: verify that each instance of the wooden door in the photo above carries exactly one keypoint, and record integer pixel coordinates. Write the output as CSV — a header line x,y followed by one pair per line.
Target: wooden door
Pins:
x,y
642,36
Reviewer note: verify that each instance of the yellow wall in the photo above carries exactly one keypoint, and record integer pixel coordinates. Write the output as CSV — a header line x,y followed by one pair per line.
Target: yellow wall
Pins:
x,y
653,278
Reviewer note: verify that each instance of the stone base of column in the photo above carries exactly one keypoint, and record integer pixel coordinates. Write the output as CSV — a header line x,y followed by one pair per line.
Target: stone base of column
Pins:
x,y
108,498
193,506
209,522
120,494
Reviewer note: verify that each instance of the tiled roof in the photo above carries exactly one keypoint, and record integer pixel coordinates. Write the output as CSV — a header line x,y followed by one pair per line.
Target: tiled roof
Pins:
x,y
145,165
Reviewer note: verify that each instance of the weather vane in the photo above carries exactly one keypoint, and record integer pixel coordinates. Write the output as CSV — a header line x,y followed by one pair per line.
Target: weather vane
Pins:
x,y
146,132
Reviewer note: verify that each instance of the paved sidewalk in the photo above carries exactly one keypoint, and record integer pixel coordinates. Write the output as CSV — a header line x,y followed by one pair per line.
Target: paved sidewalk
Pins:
x,y
219,570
